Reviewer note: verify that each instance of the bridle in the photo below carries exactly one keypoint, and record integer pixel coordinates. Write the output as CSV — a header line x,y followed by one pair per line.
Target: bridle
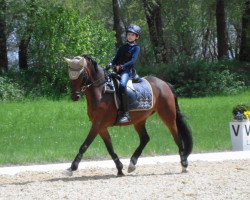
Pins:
x,y
84,75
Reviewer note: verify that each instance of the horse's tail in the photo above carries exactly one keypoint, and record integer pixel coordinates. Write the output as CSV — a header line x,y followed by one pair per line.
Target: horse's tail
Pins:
x,y
183,129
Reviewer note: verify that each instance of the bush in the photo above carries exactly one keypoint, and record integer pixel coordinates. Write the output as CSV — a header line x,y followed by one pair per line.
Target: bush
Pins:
x,y
224,82
42,82
198,78
9,90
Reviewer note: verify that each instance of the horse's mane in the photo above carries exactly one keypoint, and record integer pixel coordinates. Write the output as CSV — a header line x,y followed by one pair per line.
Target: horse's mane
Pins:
x,y
89,58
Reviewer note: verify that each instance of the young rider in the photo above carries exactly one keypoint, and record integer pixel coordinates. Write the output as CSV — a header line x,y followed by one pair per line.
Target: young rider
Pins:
x,y
124,63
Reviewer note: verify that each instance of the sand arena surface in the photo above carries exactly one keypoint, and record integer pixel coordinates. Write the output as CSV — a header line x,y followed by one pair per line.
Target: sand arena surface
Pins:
x,y
227,179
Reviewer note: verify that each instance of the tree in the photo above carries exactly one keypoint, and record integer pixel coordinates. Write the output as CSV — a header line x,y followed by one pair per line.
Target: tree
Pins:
x,y
207,30
221,30
245,38
28,26
60,32
171,29
183,31
117,21
152,9
235,10
3,38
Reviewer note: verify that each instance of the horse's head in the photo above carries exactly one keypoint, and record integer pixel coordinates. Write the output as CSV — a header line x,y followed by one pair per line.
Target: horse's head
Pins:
x,y
78,74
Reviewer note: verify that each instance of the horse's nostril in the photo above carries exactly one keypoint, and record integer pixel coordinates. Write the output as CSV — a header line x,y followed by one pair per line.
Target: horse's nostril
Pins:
x,y
75,97
78,97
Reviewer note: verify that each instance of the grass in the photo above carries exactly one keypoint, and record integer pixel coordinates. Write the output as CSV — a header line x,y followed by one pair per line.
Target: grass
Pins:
x,y
44,131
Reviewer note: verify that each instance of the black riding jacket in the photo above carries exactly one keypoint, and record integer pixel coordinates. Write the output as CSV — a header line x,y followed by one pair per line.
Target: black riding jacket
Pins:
x,y
126,56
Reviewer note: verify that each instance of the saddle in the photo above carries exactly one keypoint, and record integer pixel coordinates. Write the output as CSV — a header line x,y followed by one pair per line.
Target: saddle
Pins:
x,y
140,96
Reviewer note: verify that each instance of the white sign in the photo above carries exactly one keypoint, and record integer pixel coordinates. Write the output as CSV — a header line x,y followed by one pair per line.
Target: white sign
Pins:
x,y
240,135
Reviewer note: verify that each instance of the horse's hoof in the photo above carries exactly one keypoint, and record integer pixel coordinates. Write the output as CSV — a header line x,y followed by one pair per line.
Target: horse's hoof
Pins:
x,y
68,172
120,174
184,170
131,167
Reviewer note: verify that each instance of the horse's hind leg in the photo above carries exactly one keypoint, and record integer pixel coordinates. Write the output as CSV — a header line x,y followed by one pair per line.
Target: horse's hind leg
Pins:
x,y
169,118
179,142
144,139
107,140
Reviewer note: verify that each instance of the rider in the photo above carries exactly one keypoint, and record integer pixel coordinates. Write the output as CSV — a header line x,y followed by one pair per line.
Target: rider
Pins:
x,y
124,63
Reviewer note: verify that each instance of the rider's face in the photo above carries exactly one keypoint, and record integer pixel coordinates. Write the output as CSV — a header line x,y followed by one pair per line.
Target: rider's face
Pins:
x,y
131,37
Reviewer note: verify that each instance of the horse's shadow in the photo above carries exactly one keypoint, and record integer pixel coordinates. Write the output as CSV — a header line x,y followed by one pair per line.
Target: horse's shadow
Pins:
x,y
106,177
94,177
65,179
82,178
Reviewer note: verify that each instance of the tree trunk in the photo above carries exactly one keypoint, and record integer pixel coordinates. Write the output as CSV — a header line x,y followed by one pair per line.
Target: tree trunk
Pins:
x,y
3,39
153,16
221,30
23,54
26,37
205,42
245,36
117,26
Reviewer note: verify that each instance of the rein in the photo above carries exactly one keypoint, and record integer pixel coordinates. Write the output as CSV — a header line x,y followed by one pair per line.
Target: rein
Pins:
x,y
86,86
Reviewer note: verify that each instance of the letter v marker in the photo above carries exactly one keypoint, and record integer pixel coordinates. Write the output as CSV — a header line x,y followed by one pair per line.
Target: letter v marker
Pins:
x,y
236,132
247,131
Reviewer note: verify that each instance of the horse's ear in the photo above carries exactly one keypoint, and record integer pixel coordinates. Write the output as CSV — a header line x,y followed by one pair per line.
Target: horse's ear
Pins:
x,y
67,60
83,62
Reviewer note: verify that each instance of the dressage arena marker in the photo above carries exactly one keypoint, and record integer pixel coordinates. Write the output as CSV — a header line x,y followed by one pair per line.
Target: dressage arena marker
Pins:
x,y
209,157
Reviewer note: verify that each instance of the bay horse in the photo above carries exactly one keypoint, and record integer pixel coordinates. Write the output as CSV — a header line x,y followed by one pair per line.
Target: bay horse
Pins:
x,y
87,77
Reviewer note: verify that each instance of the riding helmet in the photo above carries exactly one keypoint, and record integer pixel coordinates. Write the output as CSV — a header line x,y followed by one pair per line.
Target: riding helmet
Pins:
x,y
134,29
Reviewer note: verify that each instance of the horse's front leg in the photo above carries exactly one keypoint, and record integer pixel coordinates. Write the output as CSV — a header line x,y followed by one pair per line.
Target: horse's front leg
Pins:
x,y
144,139
90,138
107,140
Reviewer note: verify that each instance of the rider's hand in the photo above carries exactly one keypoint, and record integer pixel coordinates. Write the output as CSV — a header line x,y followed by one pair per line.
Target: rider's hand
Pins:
x,y
117,68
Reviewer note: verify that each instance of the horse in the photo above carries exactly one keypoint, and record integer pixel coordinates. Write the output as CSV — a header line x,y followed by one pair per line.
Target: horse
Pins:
x,y
87,77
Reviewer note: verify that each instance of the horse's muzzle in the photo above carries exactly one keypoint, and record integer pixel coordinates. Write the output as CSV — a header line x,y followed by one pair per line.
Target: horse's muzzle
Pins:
x,y
75,97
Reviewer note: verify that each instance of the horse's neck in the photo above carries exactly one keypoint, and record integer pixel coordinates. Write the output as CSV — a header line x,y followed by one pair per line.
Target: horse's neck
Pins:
x,y
94,92
93,95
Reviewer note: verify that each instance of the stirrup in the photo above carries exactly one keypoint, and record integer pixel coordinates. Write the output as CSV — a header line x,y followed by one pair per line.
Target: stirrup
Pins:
x,y
124,118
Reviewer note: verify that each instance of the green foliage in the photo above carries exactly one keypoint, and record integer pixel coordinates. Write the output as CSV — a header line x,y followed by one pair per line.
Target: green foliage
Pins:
x,y
59,32
203,79
182,26
68,28
224,82
62,32
199,78
9,90
46,81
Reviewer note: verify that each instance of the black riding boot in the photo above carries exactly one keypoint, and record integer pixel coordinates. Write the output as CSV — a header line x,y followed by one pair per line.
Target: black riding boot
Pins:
x,y
124,115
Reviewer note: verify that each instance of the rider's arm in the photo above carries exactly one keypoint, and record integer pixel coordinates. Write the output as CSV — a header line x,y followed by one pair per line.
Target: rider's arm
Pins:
x,y
135,53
